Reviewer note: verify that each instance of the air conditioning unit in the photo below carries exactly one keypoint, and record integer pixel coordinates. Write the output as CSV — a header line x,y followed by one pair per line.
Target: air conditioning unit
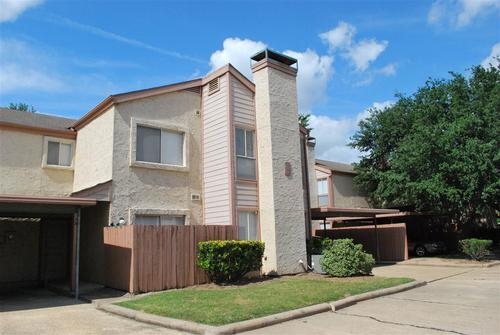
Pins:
x,y
195,197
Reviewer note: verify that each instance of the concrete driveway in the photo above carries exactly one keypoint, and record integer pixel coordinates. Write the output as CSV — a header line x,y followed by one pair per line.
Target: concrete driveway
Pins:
x,y
42,312
456,301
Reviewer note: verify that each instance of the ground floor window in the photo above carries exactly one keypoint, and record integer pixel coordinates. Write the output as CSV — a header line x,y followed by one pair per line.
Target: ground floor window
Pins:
x,y
160,220
247,226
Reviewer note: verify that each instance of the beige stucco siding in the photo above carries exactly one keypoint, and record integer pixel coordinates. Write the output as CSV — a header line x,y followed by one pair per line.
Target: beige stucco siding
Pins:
x,y
21,170
94,152
345,193
216,155
157,190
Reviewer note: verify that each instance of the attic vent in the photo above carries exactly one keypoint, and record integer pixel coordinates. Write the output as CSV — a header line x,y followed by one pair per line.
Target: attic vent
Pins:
x,y
213,85
195,197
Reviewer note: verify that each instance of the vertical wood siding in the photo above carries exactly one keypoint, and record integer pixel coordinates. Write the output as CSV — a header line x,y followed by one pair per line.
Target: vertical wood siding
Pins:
x,y
216,164
163,257
392,239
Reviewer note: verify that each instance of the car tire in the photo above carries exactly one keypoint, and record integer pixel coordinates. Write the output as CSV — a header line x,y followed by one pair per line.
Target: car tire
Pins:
x,y
420,251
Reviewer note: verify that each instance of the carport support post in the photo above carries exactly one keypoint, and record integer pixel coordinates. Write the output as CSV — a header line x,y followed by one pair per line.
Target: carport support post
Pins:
x,y
77,256
376,239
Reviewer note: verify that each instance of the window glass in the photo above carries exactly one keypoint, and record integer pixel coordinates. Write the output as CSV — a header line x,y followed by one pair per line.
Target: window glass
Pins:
x,y
240,142
323,200
245,168
172,144
65,154
148,144
164,220
249,144
147,220
323,192
247,226
53,153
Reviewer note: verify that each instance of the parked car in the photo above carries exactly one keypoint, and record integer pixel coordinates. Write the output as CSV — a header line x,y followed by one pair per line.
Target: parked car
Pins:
x,y
423,248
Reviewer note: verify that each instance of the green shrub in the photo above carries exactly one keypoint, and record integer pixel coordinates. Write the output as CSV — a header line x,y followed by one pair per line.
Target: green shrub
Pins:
x,y
229,261
318,244
475,248
343,258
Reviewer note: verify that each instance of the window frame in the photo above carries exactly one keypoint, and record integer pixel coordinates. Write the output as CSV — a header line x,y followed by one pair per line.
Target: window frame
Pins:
x,y
245,156
161,126
328,202
257,223
134,212
45,155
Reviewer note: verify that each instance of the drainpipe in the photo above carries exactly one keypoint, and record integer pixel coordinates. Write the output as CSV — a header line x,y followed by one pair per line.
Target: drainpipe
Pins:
x,y
77,261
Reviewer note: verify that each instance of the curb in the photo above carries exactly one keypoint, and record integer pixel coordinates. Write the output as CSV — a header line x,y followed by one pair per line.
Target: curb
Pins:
x,y
465,266
233,328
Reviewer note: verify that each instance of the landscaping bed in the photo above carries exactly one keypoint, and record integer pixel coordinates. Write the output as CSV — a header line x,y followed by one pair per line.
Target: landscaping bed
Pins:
x,y
219,305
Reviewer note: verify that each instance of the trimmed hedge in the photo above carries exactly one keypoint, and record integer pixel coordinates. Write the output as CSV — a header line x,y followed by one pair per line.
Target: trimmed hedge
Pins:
x,y
343,258
229,261
475,248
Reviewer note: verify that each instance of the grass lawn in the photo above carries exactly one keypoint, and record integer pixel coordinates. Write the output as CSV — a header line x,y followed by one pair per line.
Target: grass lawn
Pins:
x,y
213,305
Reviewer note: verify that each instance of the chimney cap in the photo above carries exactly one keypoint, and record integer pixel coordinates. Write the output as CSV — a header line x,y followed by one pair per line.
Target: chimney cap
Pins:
x,y
268,53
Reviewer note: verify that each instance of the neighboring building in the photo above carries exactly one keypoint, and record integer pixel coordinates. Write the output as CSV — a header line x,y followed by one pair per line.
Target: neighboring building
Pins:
x,y
335,186
220,150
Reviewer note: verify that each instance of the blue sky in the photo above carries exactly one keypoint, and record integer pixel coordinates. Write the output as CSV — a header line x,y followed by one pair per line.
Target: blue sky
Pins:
x,y
64,57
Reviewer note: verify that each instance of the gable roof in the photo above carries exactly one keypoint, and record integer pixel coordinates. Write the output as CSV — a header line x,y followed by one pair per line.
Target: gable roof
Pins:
x,y
336,166
35,119
36,123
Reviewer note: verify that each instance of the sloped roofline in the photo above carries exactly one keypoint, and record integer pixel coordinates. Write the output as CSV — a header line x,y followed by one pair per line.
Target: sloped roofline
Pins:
x,y
150,92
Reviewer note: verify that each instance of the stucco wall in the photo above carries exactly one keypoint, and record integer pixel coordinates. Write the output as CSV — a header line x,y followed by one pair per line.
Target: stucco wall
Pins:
x,y
21,169
345,193
280,197
138,187
94,152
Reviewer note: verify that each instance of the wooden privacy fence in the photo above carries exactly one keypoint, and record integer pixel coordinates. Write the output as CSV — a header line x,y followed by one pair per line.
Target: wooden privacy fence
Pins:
x,y
143,258
391,238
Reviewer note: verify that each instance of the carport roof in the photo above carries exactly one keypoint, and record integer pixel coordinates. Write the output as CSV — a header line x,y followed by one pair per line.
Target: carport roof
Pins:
x,y
21,199
322,213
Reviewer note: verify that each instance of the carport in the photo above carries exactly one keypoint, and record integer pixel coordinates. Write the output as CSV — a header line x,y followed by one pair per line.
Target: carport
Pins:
x,y
362,214
40,240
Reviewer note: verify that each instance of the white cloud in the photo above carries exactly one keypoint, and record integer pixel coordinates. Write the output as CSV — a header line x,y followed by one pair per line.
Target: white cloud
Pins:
x,y
313,76
460,13
11,9
366,52
388,70
340,36
332,135
312,79
23,69
492,59
360,53
236,51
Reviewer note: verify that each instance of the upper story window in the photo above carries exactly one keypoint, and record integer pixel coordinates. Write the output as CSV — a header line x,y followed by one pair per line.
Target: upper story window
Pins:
x,y
160,220
245,155
157,145
323,192
58,153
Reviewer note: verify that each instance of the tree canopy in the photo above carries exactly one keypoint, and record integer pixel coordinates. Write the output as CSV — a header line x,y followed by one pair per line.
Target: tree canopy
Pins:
x,y
437,150
21,106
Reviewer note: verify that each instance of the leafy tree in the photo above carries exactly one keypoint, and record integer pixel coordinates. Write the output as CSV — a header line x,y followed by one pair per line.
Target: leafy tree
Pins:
x,y
21,106
437,150
304,121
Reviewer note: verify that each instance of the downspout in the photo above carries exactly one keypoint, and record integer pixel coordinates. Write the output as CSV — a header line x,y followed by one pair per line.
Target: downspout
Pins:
x,y
77,261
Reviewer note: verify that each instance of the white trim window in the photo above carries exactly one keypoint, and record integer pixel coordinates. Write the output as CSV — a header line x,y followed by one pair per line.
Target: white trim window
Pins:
x,y
58,153
323,200
160,220
245,154
157,145
247,226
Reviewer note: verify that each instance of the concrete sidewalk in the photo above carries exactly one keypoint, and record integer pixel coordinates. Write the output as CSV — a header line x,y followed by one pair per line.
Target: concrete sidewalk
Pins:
x,y
456,301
